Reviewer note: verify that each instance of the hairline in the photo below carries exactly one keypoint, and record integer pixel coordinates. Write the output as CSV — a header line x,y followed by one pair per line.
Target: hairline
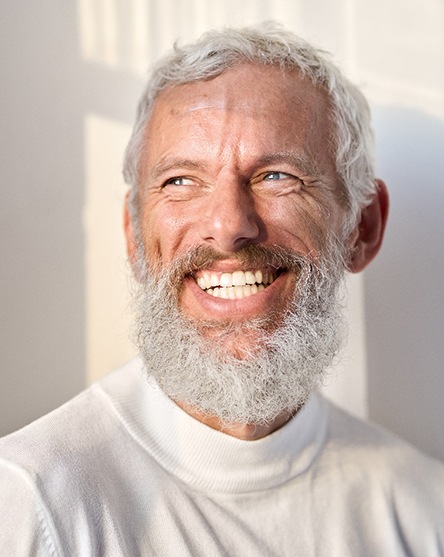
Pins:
x,y
328,79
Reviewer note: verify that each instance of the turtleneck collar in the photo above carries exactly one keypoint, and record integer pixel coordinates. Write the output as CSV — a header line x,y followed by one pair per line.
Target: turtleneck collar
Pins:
x,y
203,457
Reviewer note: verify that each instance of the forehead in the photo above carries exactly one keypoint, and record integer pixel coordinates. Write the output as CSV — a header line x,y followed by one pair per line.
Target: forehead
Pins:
x,y
247,87
249,108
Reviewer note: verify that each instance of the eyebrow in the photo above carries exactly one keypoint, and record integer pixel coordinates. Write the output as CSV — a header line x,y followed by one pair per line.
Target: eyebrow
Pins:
x,y
174,162
302,162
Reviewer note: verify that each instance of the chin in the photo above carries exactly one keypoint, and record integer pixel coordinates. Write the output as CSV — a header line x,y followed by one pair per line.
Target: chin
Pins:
x,y
242,340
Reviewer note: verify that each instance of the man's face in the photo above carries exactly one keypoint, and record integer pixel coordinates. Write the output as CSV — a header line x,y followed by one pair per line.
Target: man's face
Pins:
x,y
241,160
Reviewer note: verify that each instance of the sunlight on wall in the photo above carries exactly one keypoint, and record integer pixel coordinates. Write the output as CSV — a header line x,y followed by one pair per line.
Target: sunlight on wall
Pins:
x,y
376,42
115,34
401,53
107,314
132,34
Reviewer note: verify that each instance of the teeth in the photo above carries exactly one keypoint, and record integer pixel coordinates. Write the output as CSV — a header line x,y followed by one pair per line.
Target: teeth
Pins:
x,y
238,278
246,290
235,292
238,284
239,291
226,279
223,293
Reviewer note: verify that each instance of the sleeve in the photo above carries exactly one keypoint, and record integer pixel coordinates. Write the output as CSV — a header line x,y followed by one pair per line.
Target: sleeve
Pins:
x,y
26,528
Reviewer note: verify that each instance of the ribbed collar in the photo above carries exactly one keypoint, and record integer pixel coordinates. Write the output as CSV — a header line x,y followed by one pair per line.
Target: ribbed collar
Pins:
x,y
203,457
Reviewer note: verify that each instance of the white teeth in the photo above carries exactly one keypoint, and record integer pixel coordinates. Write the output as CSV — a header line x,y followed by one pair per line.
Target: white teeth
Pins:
x,y
226,279
239,291
235,292
246,290
238,284
238,278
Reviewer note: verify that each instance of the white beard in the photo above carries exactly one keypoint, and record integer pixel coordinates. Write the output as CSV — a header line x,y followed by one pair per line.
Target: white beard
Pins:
x,y
286,363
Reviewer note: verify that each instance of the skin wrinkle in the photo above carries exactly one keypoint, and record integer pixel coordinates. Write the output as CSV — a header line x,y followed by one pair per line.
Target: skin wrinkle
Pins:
x,y
309,170
310,118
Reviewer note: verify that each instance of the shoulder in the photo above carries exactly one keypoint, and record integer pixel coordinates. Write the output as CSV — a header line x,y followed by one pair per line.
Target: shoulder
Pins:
x,y
60,466
369,442
381,462
385,493
69,435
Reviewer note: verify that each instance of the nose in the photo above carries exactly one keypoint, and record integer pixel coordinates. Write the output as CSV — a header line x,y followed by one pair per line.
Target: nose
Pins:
x,y
230,220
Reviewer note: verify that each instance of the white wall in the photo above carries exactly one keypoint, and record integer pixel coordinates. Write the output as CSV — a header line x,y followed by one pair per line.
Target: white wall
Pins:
x,y
71,76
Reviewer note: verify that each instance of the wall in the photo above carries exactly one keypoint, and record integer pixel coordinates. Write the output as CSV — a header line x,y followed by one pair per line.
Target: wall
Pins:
x,y
71,76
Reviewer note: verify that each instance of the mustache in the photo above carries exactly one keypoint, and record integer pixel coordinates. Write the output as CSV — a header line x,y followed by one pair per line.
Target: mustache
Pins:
x,y
252,257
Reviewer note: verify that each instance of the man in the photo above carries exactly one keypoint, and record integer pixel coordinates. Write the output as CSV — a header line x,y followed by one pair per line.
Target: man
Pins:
x,y
252,191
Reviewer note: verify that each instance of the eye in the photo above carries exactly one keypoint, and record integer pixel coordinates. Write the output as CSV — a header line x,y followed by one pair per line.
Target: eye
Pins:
x,y
179,181
275,182
276,175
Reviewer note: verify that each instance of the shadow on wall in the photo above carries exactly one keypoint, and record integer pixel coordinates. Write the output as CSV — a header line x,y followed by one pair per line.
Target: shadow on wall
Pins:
x,y
403,287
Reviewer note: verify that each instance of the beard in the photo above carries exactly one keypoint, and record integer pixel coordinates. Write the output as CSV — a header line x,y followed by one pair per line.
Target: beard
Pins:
x,y
288,355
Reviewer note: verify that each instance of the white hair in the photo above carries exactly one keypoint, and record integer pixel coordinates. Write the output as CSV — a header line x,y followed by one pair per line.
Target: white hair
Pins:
x,y
269,44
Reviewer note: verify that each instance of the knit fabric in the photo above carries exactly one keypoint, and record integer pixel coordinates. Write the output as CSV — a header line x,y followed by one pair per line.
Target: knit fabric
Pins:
x,y
122,471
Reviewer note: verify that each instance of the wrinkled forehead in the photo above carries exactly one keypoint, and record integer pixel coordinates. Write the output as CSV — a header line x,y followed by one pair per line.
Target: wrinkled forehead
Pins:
x,y
251,109
250,88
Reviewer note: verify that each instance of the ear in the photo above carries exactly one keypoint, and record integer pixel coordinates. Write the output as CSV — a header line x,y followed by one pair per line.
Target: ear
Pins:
x,y
366,239
131,242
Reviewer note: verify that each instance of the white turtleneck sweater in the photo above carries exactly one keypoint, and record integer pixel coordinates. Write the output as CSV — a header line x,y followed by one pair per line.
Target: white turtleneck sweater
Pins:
x,y
122,471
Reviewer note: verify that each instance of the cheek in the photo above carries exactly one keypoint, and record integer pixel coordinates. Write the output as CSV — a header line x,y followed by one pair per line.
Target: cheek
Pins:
x,y
165,231
300,225
152,232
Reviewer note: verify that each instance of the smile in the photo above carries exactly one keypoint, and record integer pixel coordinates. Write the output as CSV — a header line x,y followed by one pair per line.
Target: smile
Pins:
x,y
239,284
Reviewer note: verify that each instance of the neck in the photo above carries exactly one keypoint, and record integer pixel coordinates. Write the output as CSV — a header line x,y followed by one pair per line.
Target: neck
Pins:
x,y
246,432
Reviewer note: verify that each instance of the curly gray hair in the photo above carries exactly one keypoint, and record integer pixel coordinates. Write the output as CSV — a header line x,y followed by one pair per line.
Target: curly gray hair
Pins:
x,y
269,44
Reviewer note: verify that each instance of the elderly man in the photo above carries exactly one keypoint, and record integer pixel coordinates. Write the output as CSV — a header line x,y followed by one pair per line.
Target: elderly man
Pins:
x,y
252,192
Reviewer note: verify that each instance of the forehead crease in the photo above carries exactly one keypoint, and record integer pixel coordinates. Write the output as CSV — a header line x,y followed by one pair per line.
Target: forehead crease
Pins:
x,y
226,127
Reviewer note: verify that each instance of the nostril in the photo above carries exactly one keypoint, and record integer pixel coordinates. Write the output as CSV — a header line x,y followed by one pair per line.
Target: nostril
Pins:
x,y
230,220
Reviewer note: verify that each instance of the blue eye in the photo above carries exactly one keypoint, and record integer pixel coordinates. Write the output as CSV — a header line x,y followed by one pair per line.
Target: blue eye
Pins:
x,y
269,176
179,181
